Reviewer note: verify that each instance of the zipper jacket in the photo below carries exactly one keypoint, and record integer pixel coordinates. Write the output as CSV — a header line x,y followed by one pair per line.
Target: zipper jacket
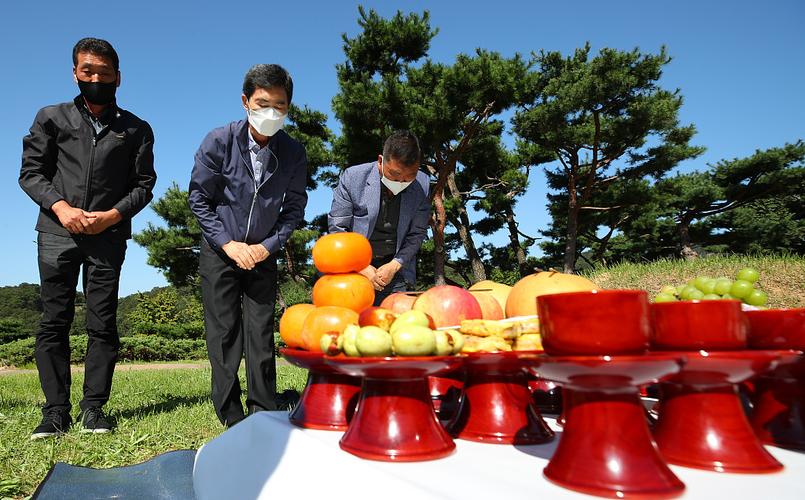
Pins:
x,y
64,158
231,206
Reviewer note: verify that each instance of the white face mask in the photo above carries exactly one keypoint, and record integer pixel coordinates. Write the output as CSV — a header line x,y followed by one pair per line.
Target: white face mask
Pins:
x,y
266,121
396,187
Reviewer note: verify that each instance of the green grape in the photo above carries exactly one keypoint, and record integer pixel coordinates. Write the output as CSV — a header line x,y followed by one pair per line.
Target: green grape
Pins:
x,y
756,298
709,287
748,274
711,296
664,297
726,296
679,290
685,295
701,281
741,288
691,282
723,285
669,290
695,295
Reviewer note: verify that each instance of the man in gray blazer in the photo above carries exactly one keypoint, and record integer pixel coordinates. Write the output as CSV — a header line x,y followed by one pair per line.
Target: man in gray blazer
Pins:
x,y
386,201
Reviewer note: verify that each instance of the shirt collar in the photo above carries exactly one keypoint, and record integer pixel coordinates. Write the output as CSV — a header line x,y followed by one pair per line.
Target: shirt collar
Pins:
x,y
108,114
253,146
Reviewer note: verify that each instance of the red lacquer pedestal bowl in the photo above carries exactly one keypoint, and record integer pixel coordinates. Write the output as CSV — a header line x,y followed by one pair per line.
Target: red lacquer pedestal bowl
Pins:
x,y
395,420
701,420
329,398
778,417
497,405
606,447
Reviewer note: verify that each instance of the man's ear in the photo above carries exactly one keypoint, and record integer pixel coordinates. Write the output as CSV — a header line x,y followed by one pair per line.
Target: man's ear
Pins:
x,y
118,79
75,77
245,101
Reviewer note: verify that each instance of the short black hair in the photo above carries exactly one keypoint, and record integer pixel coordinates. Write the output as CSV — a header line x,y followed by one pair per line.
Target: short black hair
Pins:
x,y
99,48
266,76
403,146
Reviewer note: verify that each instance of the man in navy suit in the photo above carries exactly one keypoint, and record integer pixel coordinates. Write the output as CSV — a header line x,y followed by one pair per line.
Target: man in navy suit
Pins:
x,y
386,201
247,191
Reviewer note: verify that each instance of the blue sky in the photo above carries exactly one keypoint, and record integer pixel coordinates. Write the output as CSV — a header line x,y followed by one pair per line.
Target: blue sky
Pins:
x,y
739,65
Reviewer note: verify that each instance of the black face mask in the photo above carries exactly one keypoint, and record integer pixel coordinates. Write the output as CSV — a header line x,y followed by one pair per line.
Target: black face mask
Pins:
x,y
98,92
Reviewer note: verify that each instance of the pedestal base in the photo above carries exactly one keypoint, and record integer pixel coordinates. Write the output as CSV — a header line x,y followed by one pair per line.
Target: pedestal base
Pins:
x,y
606,449
396,422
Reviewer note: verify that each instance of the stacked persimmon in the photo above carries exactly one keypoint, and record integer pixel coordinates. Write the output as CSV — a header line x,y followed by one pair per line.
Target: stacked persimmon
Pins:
x,y
338,296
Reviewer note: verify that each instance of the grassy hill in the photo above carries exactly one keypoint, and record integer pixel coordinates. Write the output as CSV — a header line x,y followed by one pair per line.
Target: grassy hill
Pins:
x,y
782,277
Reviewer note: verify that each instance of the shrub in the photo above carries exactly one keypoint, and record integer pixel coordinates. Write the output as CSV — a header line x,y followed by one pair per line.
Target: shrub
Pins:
x,y
13,329
191,330
134,348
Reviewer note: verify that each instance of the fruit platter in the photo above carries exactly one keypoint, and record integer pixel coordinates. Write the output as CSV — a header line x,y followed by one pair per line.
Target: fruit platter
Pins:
x,y
441,379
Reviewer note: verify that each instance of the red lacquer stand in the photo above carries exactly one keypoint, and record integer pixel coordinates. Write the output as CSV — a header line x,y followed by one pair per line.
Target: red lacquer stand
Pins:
x,y
329,398
395,420
497,406
778,417
702,423
606,447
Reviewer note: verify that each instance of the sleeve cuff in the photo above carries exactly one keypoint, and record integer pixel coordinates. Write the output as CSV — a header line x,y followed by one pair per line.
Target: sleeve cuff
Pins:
x,y
123,208
221,239
272,244
50,199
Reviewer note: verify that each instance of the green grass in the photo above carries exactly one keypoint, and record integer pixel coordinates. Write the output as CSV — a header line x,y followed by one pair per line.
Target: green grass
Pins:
x,y
156,411
781,277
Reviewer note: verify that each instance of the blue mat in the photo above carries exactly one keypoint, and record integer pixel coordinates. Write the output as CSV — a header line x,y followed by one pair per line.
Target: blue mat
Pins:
x,y
168,476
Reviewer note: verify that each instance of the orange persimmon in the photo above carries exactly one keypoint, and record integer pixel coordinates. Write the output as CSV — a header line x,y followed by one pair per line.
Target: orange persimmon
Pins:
x,y
342,253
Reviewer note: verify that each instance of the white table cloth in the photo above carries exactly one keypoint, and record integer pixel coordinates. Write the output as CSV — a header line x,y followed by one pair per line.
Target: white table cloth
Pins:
x,y
266,457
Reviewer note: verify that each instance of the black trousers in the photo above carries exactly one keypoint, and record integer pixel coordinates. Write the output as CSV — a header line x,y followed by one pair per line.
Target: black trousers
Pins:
x,y
100,257
238,319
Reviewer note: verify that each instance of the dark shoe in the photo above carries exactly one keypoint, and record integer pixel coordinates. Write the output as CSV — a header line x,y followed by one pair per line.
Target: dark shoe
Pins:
x,y
95,421
55,422
287,400
229,424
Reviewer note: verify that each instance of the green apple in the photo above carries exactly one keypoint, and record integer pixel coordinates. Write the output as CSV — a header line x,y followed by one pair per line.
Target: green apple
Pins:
x,y
458,340
444,343
329,343
350,334
373,341
410,318
413,340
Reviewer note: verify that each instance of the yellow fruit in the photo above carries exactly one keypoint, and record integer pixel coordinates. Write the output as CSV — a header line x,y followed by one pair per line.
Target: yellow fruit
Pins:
x,y
497,290
522,300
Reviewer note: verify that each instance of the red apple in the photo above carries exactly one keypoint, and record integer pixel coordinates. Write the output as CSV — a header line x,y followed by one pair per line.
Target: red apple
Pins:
x,y
398,302
377,316
490,307
448,305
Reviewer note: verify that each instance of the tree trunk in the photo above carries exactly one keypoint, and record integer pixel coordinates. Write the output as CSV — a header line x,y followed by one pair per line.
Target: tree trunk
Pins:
x,y
572,234
514,239
438,223
687,251
602,246
463,226
291,267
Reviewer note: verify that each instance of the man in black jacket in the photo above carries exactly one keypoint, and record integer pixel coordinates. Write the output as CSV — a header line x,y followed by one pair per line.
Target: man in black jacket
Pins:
x,y
89,165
